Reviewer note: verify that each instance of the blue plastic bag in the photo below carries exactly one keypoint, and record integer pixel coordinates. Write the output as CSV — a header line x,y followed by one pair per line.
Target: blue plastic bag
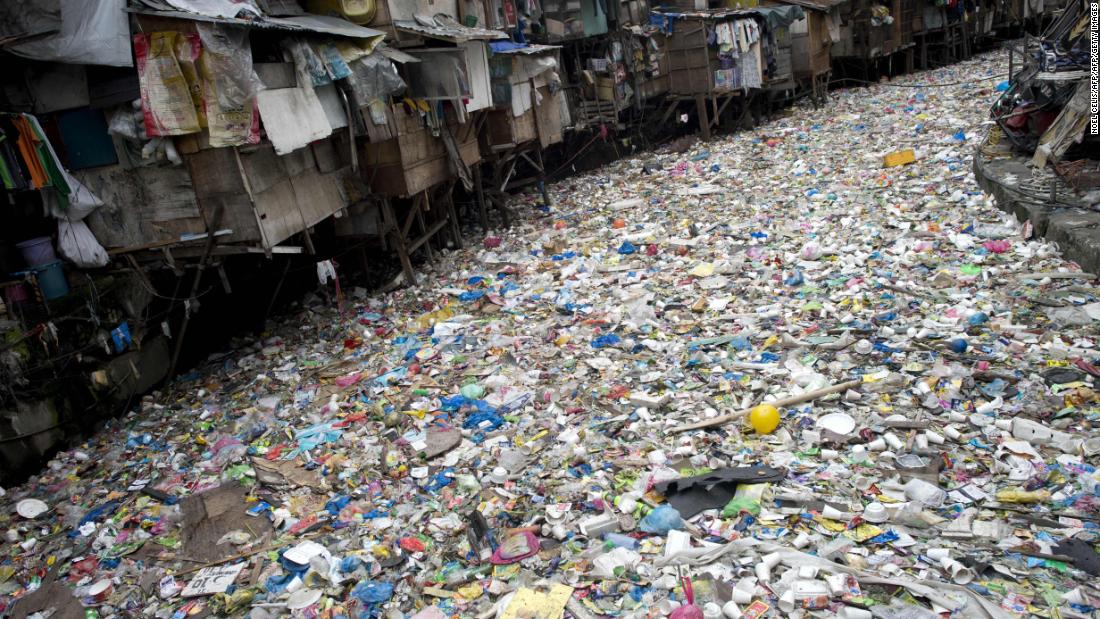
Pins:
x,y
662,520
604,341
372,595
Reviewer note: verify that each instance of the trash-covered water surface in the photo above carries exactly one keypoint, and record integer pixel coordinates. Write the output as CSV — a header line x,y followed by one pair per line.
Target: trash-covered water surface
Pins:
x,y
781,374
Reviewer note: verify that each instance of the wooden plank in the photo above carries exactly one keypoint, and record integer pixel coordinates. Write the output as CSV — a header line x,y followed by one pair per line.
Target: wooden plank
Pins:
x,y
277,208
428,234
137,202
237,216
704,122
299,162
318,196
218,170
363,219
548,119
223,187
264,168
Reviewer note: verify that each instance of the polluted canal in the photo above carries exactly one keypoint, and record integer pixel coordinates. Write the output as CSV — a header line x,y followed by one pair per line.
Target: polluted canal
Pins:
x,y
572,418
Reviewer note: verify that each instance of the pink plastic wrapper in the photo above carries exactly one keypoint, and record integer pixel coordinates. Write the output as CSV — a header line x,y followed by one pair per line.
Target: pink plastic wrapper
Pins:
x,y
689,610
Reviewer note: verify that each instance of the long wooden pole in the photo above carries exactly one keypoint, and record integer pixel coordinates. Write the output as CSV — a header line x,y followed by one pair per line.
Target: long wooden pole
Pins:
x,y
794,399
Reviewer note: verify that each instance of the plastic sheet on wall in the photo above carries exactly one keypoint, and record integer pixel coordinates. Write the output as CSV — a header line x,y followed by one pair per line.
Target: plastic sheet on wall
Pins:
x,y
165,94
227,63
374,77
90,33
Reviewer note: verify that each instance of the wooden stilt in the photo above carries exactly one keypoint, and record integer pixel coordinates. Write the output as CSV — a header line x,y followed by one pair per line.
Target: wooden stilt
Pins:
x,y
192,306
704,121
482,208
397,238
452,214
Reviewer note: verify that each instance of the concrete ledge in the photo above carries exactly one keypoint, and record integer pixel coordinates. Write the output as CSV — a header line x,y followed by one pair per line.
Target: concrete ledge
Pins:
x,y
1076,230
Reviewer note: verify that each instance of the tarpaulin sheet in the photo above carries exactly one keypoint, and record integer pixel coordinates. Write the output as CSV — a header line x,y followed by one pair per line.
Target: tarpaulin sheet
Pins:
x,y
89,33
25,18
779,16
773,16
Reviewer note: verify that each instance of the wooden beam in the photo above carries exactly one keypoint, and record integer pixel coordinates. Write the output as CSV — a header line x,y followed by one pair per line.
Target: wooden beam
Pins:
x,y
429,232
191,298
809,396
704,122
482,209
398,241
224,278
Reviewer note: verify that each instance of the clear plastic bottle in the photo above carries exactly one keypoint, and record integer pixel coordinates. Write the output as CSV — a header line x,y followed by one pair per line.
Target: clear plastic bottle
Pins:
x,y
619,540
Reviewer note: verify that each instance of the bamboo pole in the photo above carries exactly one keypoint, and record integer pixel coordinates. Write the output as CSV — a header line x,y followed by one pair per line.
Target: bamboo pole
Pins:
x,y
794,399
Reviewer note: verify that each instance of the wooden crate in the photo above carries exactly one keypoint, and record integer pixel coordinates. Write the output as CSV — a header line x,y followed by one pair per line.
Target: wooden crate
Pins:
x,y
907,20
413,160
649,87
466,138
399,121
784,73
690,71
405,165
605,88
288,193
360,220
652,87
548,119
504,129
810,49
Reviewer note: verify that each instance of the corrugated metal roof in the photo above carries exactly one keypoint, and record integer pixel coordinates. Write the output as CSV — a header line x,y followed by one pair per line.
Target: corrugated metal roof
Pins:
x,y
775,16
531,49
321,24
447,29
396,55
813,5
704,13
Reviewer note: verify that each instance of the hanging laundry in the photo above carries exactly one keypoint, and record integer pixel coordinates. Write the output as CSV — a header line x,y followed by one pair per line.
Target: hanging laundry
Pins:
x,y
29,152
726,37
751,62
14,172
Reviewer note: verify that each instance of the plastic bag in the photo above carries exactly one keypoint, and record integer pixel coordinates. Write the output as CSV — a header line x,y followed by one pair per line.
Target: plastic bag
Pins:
x,y
335,63
124,124
188,51
662,520
374,78
227,65
307,64
165,96
79,202
229,86
76,206
78,245
232,126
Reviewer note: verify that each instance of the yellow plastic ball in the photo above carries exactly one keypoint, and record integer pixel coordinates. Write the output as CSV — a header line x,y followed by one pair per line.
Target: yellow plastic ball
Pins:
x,y
764,418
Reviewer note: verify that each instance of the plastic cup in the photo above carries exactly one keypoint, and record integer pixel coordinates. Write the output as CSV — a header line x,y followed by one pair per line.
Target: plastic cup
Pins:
x,y
731,610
